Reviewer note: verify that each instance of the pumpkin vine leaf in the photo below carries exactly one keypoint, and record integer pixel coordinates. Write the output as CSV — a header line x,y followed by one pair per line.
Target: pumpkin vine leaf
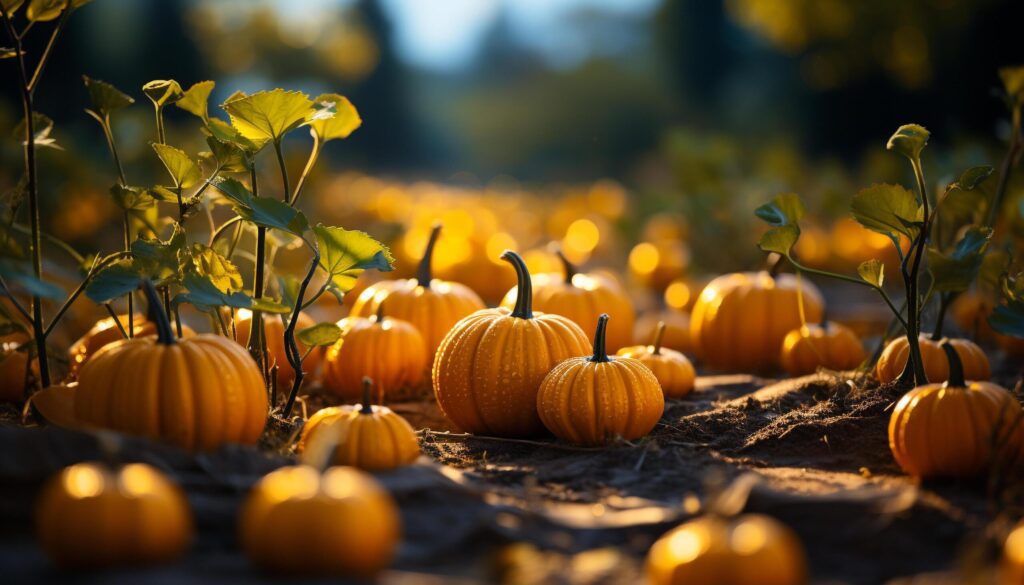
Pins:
x,y
203,294
17,275
344,121
216,268
196,100
784,213
105,97
1008,318
872,272
269,115
42,128
888,209
319,335
114,281
160,260
345,254
909,140
163,92
131,198
263,211
183,170
956,270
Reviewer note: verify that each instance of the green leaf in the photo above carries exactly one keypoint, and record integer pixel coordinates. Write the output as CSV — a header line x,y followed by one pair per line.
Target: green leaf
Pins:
x,y
45,10
780,240
888,209
345,254
42,126
196,99
269,115
227,133
163,92
1013,82
160,260
319,335
344,121
993,266
19,277
909,140
183,170
227,156
205,296
972,177
954,272
873,272
161,193
289,287
216,268
1008,319
105,97
114,281
784,212
131,198
264,211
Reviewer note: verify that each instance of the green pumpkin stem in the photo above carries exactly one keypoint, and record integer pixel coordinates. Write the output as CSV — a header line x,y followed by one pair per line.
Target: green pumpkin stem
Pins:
x,y
659,334
164,333
600,349
424,274
367,406
568,267
956,367
524,290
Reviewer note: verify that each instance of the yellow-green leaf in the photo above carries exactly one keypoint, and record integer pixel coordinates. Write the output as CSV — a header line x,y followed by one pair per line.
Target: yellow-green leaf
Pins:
x,y
105,97
163,92
344,121
182,169
319,335
345,254
12,5
131,198
888,209
219,270
269,115
44,10
909,140
955,271
196,99
873,272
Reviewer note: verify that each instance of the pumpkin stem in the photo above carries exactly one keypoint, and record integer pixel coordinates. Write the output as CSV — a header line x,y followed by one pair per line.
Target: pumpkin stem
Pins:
x,y
164,333
600,351
776,266
956,367
568,267
524,285
367,406
379,315
659,334
423,273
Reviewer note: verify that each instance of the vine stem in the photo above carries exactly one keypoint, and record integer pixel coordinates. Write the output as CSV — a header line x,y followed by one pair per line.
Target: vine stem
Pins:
x,y
314,154
1005,169
108,133
81,288
898,313
913,308
291,348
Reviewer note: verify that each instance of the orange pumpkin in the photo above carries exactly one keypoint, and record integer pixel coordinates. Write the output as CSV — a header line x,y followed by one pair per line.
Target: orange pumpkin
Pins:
x,y
677,329
369,437
740,319
433,306
830,345
273,329
582,297
1012,570
936,366
391,352
104,332
93,516
490,365
673,370
591,399
197,393
14,367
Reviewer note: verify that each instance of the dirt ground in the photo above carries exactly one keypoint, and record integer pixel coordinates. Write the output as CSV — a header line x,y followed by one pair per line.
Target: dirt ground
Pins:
x,y
477,509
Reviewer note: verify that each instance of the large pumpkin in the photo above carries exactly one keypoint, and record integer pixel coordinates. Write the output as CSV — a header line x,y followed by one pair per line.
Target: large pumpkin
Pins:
x,y
273,329
740,319
490,365
93,516
297,521
197,393
957,428
936,367
673,370
433,306
582,298
590,400
105,332
830,345
747,550
14,367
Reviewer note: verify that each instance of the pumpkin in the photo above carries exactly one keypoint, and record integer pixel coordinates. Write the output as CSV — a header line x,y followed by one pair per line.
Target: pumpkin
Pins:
x,y
370,437
273,329
970,311
197,393
740,319
433,306
582,297
956,428
105,332
591,399
298,521
829,345
673,370
1012,570
391,352
750,549
490,365
894,358
677,329
90,515
14,367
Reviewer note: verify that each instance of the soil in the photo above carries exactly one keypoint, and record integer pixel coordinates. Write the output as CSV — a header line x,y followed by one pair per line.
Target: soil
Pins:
x,y
811,452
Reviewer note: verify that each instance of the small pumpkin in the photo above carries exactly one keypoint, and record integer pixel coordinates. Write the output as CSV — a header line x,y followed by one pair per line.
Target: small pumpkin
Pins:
x,y
197,393
740,319
936,367
433,306
105,332
673,370
298,521
391,352
1012,570
750,549
370,437
829,345
273,329
591,399
490,365
677,329
956,428
582,297
93,516
14,367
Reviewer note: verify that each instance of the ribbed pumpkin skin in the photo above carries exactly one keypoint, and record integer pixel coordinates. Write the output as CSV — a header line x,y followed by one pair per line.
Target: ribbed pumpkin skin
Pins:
x,y
297,521
674,372
936,367
588,403
748,550
376,441
91,516
433,311
273,328
740,319
391,352
677,329
490,365
197,394
834,347
938,430
105,332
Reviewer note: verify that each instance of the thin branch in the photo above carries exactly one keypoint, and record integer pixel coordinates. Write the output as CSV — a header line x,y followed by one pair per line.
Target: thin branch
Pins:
x,y
14,301
45,58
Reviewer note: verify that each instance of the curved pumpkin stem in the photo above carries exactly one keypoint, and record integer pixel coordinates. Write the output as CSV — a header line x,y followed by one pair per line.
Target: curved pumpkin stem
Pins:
x,y
379,315
568,267
524,284
600,350
164,333
367,406
424,274
956,367
659,334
